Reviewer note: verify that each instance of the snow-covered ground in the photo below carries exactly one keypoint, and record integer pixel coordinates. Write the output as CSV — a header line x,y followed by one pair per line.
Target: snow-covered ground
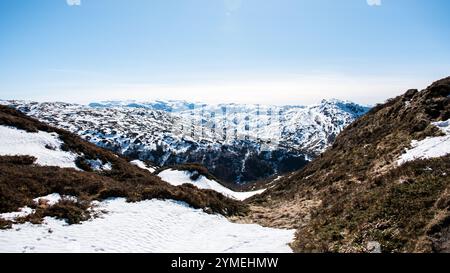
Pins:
x,y
147,226
46,147
50,199
98,165
430,147
177,178
142,165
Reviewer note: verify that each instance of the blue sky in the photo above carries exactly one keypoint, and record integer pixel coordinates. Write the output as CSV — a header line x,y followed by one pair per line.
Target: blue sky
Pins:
x,y
260,51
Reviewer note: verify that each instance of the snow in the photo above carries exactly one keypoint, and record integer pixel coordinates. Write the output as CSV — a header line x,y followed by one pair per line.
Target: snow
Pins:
x,y
16,214
171,132
97,165
147,226
142,165
177,178
430,147
278,178
46,147
51,199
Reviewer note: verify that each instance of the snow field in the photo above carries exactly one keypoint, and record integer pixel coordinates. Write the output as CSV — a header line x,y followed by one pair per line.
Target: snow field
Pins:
x,y
147,226
177,178
46,147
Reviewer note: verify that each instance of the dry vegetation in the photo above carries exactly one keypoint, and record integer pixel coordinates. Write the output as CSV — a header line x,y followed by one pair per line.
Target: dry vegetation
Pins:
x,y
355,193
21,180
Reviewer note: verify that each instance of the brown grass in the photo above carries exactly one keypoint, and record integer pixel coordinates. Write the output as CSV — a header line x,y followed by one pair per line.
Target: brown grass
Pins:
x,y
364,195
21,180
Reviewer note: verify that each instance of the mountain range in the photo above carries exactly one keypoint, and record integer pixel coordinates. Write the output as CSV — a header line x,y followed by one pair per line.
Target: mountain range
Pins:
x,y
237,143
59,193
382,184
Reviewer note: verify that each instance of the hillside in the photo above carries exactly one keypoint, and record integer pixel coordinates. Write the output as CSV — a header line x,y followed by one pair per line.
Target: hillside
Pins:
x,y
383,185
39,160
237,143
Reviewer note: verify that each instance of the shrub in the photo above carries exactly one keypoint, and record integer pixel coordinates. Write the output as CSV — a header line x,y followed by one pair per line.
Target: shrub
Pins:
x,y
73,212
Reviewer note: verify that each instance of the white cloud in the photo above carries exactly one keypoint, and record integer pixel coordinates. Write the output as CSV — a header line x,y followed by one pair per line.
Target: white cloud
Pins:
x,y
73,2
374,2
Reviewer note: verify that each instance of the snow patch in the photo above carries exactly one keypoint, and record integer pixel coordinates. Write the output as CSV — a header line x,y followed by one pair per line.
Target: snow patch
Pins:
x,y
46,147
278,178
430,147
97,165
143,227
178,178
22,212
50,199
142,165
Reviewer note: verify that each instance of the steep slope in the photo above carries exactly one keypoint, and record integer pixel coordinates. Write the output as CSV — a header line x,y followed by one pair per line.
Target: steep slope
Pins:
x,y
38,160
237,143
361,195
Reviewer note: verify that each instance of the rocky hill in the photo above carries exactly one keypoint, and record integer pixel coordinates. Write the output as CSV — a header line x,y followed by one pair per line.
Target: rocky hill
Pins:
x,y
383,185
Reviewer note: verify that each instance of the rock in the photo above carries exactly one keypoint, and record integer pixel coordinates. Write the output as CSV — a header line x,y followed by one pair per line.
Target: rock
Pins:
x,y
373,247
43,203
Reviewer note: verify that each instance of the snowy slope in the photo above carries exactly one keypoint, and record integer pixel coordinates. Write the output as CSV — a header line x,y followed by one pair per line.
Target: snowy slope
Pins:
x,y
177,178
142,165
303,126
46,147
147,226
236,142
430,147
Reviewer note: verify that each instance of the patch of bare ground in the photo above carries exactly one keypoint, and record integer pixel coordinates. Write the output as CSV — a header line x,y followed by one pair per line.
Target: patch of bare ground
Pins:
x,y
289,215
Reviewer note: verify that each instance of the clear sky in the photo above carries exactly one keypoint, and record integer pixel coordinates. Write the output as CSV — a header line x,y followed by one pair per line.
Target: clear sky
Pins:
x,y
252,51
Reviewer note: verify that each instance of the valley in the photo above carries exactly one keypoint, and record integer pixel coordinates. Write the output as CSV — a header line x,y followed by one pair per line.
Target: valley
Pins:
x,y
236,143
374,180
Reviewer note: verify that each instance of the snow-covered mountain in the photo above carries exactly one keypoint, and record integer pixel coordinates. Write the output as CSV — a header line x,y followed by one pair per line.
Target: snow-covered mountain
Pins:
x,y
237,143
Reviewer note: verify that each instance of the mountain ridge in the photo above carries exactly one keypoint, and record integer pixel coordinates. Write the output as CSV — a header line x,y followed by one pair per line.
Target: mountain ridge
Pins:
x,y
357,194
237,143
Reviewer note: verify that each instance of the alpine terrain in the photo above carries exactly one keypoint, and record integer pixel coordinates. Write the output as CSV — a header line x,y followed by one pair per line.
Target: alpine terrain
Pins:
x,y
383,185
236,143
377,180
59,193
